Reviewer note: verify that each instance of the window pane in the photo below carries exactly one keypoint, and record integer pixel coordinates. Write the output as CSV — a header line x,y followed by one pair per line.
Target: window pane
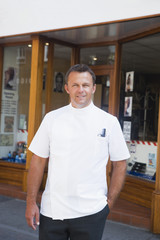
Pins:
x,y
103,81
15,102
139,103
97,55
62,62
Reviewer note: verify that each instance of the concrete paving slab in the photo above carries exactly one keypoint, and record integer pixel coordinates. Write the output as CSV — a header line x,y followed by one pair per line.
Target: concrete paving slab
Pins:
x,y
118,231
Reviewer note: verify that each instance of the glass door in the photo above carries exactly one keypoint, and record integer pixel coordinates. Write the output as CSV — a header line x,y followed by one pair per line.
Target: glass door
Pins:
x,y
103,80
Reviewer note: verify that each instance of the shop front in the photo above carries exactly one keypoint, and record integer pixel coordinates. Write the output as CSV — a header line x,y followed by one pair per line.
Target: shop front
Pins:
x,y
125,58
138,115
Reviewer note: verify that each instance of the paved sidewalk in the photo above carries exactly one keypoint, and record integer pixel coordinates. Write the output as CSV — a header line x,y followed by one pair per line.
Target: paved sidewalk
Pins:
x,y
13,225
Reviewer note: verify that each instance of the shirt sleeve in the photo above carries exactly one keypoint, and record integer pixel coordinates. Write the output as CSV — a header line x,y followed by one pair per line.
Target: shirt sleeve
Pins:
x,y
118,149
40,143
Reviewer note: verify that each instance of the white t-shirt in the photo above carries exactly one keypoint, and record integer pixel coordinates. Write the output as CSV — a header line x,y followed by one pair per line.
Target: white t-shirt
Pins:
x,y
78,143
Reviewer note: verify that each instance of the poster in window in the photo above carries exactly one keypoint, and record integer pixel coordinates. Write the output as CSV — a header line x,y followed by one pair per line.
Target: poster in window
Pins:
x,y
8,124
127,130
152,160
58,82
22,122
6,140
129,81
10,79
128,106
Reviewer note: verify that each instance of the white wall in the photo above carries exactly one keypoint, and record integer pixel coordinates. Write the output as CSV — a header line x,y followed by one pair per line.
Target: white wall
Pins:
x,y
24,16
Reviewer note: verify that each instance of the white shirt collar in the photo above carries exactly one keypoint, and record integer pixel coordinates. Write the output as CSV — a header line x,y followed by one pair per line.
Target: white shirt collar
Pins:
x,y
81,110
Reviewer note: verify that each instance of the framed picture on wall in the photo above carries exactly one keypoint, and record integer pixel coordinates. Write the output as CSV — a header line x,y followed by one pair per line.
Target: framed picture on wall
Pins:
x,y
129,81
59,82
128,106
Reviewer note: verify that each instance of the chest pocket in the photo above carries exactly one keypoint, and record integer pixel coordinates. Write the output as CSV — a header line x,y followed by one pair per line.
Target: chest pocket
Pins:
x,y
101,146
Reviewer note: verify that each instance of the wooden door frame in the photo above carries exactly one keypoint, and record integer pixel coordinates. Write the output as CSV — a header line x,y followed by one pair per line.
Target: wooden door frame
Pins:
x,y
1,73
155,208
35,99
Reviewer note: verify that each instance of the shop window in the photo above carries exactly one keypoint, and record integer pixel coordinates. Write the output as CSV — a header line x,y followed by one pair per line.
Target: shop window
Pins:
x,y
97,55
62,62
139,104
139,119
15,103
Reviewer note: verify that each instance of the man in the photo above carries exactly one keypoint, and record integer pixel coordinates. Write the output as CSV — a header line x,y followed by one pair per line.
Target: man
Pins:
x,y
78,139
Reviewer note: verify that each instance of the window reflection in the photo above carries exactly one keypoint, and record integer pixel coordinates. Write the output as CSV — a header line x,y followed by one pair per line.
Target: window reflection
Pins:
x,y
97,55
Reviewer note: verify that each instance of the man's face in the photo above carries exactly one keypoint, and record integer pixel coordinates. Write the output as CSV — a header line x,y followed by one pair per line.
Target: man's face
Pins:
x,y
80,88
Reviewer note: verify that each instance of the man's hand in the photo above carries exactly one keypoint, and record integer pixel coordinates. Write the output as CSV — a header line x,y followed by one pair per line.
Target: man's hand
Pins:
x,y
35,176
32,215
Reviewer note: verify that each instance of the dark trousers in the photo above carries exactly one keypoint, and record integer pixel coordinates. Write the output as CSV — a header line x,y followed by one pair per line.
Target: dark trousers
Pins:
x,y
83,228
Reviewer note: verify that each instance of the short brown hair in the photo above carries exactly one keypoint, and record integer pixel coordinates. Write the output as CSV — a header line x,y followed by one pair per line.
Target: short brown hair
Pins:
x,y
80,68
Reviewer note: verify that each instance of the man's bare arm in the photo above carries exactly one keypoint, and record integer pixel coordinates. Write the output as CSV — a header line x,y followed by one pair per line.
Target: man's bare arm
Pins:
x,y
117,181
34,180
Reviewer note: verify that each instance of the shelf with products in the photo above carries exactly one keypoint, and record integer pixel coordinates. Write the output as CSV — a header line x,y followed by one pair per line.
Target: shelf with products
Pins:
x,y
17,156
